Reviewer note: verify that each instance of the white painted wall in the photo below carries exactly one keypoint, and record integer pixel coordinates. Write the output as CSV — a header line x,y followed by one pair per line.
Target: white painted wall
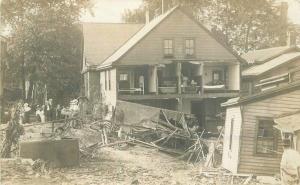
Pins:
x,y
109,97
234,77
230,158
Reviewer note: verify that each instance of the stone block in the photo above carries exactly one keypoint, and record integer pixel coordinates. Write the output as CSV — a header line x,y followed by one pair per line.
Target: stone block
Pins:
x,y
61,153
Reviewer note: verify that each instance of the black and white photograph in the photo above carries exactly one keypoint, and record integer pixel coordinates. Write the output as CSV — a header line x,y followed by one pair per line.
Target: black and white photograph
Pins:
x,y
149,92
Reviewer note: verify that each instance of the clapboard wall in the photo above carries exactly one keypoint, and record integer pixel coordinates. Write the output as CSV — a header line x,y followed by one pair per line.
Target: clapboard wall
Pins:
x,y
250,162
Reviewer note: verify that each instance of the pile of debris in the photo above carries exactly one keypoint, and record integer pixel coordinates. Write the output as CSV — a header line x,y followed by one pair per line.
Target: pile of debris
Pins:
x,y
173,132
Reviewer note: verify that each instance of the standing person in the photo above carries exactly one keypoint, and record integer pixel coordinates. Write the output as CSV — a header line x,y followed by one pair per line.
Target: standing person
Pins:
x,y
58,112
46,110
27,110
37,113
21,112
290,164
142,84
51,110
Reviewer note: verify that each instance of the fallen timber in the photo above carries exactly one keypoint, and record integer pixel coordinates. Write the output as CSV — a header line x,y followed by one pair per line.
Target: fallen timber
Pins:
x,y
164,130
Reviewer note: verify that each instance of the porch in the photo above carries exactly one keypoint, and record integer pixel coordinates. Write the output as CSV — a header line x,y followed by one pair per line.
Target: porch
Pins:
x,y
188,78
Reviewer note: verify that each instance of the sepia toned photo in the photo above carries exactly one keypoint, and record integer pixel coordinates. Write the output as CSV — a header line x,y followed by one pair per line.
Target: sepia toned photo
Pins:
x,y
150,92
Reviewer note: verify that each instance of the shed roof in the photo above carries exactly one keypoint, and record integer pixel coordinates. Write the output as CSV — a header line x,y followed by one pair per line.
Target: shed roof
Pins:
x,y
262,55
262,95
110,36
271,64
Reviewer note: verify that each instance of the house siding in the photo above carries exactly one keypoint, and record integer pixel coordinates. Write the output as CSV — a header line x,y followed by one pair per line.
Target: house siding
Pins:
x,y
250,162
93,86
230,158
178,27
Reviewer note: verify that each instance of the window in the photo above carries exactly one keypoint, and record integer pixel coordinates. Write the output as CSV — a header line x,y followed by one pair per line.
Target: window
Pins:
x,y
189,47
266,140
231,133
168,48
109,80
217,76
124,77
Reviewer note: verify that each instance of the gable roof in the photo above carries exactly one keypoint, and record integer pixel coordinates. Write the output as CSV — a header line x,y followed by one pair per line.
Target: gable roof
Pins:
x,y
102,39
146,30
262,95
136,38
271,64
262,55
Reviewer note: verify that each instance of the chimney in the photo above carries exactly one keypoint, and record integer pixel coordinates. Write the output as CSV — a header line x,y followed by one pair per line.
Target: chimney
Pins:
x,y
291,38
162,6
284,11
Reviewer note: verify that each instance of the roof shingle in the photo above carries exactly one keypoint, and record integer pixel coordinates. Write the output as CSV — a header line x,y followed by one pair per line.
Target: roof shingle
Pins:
x,y
109,36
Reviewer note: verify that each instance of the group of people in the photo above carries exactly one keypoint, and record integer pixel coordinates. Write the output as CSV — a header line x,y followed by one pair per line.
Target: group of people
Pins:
x,y
47,112
43,113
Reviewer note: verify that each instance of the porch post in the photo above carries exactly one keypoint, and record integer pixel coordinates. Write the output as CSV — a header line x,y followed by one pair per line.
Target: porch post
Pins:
x,y
152,80
178,73
202,78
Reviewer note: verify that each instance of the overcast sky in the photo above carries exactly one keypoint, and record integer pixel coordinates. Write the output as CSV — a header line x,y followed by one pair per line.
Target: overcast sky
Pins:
x,y
111,10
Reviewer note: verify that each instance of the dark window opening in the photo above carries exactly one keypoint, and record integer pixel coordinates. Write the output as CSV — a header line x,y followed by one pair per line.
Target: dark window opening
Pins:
x,y
266,140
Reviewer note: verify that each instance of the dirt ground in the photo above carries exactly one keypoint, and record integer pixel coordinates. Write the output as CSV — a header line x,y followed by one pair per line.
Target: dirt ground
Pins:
x,y
135,165
131,165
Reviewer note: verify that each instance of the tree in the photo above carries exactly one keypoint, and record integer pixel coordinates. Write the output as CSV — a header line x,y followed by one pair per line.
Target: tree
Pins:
x,y
243,25
46,47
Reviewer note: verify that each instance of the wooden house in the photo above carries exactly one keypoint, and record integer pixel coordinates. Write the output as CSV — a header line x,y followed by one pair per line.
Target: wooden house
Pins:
x,y
251,144
270,68
171,62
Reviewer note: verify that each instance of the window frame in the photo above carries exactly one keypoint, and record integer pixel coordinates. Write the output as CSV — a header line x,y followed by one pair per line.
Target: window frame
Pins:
x,y
220,72
275,138
185,48
127,77
168,55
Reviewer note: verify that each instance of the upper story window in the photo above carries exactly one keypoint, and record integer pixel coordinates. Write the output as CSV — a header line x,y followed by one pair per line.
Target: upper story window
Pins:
x,y
266,137
189,47
168,48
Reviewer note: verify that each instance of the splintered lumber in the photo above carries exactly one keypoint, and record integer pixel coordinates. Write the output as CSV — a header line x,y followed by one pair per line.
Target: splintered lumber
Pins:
x,y
115,143
169,124
157,147
248,180
169,137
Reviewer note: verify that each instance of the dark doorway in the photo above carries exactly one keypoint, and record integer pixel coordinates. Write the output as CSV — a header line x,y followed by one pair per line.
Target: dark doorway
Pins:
x,y
198,110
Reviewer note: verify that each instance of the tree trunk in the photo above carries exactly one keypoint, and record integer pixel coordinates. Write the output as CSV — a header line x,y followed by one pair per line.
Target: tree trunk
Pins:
x,y
23,76
30,91
246,46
